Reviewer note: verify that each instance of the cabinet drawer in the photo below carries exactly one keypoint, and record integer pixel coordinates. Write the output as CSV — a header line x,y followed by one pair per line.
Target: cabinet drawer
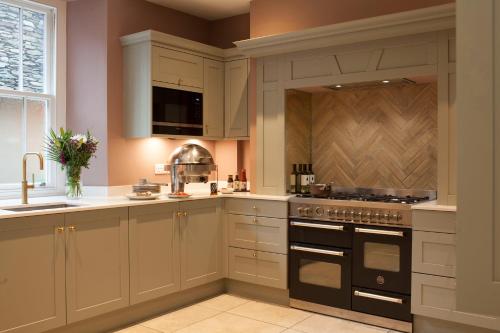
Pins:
x,y
175,67
258,233
434,253
432,296
431,220
263,268
267,208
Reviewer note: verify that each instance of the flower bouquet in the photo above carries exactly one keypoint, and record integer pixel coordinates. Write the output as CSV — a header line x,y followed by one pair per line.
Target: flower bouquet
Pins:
x,y
72,151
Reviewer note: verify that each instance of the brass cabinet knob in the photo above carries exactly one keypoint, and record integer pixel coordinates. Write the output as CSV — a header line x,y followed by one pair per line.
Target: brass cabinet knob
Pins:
x,y
185,214
72,228
254,220
254,207
179,214
59,229
254,254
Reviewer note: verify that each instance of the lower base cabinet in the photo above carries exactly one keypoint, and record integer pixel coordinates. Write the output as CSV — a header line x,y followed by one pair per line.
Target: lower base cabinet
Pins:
x,y
32,285
263,268
201,237
97,265
154,251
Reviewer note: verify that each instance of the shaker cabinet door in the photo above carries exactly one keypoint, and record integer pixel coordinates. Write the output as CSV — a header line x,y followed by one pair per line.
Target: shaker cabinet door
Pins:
x,y
213,99
176,67
32,286
97,267
236,98
201,242
154,251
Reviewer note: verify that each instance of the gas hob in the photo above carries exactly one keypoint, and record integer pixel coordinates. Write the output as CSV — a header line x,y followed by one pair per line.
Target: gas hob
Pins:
x,y
364,206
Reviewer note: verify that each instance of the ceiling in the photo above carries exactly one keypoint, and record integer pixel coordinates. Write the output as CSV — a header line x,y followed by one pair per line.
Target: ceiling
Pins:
x,y
207,9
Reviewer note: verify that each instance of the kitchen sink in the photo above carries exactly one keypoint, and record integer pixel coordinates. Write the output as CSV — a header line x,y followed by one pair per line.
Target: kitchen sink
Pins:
x,y
39,207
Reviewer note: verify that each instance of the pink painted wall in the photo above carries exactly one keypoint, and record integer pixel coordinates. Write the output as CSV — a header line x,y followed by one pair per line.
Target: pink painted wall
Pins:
x,y
131,159
87,80
224,32
270,17
95,81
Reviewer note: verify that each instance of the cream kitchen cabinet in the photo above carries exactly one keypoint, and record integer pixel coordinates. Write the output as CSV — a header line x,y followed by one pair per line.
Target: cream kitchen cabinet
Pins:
x,y
97,263
236,98
257,241
32,277
151,58
264,208
257,233
154,251
262,268
213,99
175,67
201,237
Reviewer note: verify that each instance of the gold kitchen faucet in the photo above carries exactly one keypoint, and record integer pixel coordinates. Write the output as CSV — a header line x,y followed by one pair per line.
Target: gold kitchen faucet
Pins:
x,y
24,183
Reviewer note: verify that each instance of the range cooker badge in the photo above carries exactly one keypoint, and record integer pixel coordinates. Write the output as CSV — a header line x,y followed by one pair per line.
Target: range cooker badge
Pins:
x,y
380,280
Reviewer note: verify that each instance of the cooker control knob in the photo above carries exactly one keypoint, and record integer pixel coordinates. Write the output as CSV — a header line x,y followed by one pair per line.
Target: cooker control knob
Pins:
x,y
387,216
344,214
360,216
329,212
319,211
396,217
368,216
300,211
307,211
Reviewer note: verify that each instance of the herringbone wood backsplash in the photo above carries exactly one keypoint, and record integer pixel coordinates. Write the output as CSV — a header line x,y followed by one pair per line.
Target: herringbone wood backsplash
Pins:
x,y
376,137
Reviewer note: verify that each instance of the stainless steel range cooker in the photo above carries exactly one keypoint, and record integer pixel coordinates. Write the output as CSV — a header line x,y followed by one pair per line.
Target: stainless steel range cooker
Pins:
x,y
350,254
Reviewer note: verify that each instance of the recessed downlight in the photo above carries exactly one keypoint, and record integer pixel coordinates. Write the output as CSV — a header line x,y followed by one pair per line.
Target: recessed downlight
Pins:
x,y
338,86
385,81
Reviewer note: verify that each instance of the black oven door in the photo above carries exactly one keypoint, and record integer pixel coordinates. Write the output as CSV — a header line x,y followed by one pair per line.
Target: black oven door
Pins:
x,y
382,258
320,275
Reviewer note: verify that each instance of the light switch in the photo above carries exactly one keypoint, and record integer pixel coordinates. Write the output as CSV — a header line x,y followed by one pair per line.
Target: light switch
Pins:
x,y
160,169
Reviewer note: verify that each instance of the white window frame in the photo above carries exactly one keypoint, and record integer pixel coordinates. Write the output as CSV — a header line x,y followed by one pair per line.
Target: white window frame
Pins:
x,y
55,94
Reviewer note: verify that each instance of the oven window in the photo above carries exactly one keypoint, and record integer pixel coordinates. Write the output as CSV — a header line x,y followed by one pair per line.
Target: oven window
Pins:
x,y
385,257
320,273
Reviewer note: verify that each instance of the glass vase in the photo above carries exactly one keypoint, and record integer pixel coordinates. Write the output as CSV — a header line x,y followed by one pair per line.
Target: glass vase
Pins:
x,y
73,183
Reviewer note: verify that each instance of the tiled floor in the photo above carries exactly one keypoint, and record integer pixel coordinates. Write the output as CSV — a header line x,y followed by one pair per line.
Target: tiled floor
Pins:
x,y
228,314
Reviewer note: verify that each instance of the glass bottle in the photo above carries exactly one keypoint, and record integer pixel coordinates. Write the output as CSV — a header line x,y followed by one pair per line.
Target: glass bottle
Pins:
x,y
236,183
230,181
304,180
293,180
244,181
312,176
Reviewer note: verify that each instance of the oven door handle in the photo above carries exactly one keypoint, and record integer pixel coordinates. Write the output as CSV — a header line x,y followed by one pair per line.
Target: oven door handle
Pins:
x,y
379,232
320,251
317,226
378,297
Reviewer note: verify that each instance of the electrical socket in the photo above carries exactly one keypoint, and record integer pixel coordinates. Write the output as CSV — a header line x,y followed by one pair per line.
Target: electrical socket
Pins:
x,y
160,169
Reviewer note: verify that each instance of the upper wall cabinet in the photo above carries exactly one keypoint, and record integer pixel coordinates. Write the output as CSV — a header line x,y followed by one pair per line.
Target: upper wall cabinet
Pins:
x,y
153,59
237,98
176,67
213,99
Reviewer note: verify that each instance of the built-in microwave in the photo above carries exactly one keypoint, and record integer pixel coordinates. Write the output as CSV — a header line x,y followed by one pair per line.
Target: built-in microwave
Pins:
x,y
177,112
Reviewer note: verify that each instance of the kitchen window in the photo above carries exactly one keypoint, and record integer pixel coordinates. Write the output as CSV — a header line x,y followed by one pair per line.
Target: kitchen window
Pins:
x,y
32,89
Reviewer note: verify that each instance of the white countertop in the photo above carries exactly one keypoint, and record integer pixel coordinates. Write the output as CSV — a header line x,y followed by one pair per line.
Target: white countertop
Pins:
x,y
433,205
102,202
